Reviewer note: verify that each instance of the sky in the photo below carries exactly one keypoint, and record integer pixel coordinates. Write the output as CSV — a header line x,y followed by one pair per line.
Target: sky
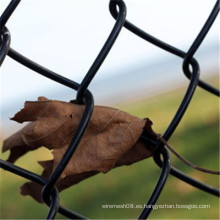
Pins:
x,y
66,36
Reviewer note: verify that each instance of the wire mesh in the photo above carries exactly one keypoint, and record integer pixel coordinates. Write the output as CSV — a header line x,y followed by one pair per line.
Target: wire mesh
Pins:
x,y
84,96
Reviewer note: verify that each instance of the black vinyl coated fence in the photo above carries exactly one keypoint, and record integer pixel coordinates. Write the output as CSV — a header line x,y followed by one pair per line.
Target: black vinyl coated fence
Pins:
x,y
84,96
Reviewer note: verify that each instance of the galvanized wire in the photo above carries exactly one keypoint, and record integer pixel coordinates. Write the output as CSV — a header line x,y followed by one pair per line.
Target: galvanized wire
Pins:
x,y
84,96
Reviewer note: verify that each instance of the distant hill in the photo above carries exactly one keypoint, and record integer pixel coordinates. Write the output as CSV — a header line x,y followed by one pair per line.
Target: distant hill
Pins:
x,y
126,84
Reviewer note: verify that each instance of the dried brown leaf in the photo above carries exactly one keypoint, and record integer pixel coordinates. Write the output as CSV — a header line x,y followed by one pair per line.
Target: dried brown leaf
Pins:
x,y
110,140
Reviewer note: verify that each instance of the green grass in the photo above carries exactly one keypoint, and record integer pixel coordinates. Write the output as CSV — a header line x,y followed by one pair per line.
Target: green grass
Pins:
x,y
196,138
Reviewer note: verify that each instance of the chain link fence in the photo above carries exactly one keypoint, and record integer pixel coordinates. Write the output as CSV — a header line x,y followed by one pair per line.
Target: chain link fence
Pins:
x,y
190,68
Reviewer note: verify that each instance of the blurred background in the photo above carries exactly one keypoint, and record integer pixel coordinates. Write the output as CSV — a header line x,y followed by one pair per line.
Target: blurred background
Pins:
x,y
137,77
